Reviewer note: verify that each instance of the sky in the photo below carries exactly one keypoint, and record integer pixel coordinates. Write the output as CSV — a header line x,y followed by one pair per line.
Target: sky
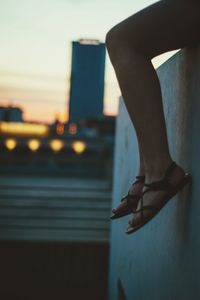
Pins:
x,y
35,52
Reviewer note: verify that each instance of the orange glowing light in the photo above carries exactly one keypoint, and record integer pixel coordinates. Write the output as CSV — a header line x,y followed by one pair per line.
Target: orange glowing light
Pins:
x,y
72,128
63,118
60,129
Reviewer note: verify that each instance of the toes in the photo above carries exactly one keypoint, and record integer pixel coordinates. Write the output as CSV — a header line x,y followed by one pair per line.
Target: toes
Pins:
x,y
129,230
135,221
119,208
130,222
116,209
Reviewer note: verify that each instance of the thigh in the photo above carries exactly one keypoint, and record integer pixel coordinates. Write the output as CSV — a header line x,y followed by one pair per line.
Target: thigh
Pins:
x,y
163,26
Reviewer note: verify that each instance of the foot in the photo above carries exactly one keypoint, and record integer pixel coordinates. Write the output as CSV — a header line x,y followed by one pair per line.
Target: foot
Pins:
x,y
135,190
155,198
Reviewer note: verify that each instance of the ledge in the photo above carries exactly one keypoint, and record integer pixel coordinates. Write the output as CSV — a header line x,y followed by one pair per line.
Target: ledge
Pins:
x,y
161,261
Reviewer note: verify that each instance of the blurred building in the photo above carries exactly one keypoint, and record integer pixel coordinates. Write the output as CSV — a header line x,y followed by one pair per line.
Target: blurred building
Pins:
x,y
87,80
11,114
102,125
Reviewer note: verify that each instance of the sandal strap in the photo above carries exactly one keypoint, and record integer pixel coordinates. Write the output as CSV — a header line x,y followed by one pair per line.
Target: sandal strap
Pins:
x,y
141,178
144,208
163,183
156,185
128,197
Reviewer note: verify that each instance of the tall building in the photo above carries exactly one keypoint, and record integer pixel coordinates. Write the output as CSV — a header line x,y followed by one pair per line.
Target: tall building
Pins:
x,y
87,80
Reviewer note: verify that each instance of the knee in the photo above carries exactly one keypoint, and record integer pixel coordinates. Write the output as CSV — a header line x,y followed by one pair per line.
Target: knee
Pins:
x,y
115,44
111,39
119,41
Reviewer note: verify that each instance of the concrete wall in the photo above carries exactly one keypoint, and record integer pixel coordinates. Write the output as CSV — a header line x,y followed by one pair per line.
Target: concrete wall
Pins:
x,y
162,260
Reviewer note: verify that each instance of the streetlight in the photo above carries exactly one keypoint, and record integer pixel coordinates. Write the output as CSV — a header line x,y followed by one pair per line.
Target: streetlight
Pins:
x,y
10,144
56,145
79,146
34,145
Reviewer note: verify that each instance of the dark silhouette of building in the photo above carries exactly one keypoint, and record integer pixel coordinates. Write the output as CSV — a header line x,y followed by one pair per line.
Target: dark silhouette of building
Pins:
x,y
11,114
87,80
104,125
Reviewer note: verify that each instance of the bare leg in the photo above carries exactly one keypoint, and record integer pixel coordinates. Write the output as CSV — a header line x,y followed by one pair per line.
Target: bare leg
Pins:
x,y
131,45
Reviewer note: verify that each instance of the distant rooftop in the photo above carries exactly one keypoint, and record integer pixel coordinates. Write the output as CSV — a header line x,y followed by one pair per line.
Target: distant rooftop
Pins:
x,y
89,41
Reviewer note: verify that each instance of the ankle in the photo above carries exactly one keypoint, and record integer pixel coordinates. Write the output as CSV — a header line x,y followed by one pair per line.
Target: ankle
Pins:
x,y
156,170
141,171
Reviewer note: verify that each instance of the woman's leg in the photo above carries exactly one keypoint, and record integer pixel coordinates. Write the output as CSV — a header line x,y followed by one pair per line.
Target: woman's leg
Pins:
x,y
131,45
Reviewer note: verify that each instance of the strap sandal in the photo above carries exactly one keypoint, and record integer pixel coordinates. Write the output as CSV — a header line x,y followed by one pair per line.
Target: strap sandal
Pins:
x,y
164,185
129,201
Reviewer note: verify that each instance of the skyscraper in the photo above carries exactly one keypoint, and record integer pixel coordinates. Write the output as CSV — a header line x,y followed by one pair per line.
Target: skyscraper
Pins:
x,y
87,80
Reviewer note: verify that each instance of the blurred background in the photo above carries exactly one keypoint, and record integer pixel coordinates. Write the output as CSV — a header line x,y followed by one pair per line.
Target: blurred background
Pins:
x,y
58,105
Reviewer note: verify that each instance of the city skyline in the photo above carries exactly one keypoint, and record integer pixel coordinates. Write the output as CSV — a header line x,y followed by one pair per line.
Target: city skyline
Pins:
x,y
35,56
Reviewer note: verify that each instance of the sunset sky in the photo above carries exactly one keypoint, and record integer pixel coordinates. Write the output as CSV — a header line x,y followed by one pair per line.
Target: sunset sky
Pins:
x,y
35,52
